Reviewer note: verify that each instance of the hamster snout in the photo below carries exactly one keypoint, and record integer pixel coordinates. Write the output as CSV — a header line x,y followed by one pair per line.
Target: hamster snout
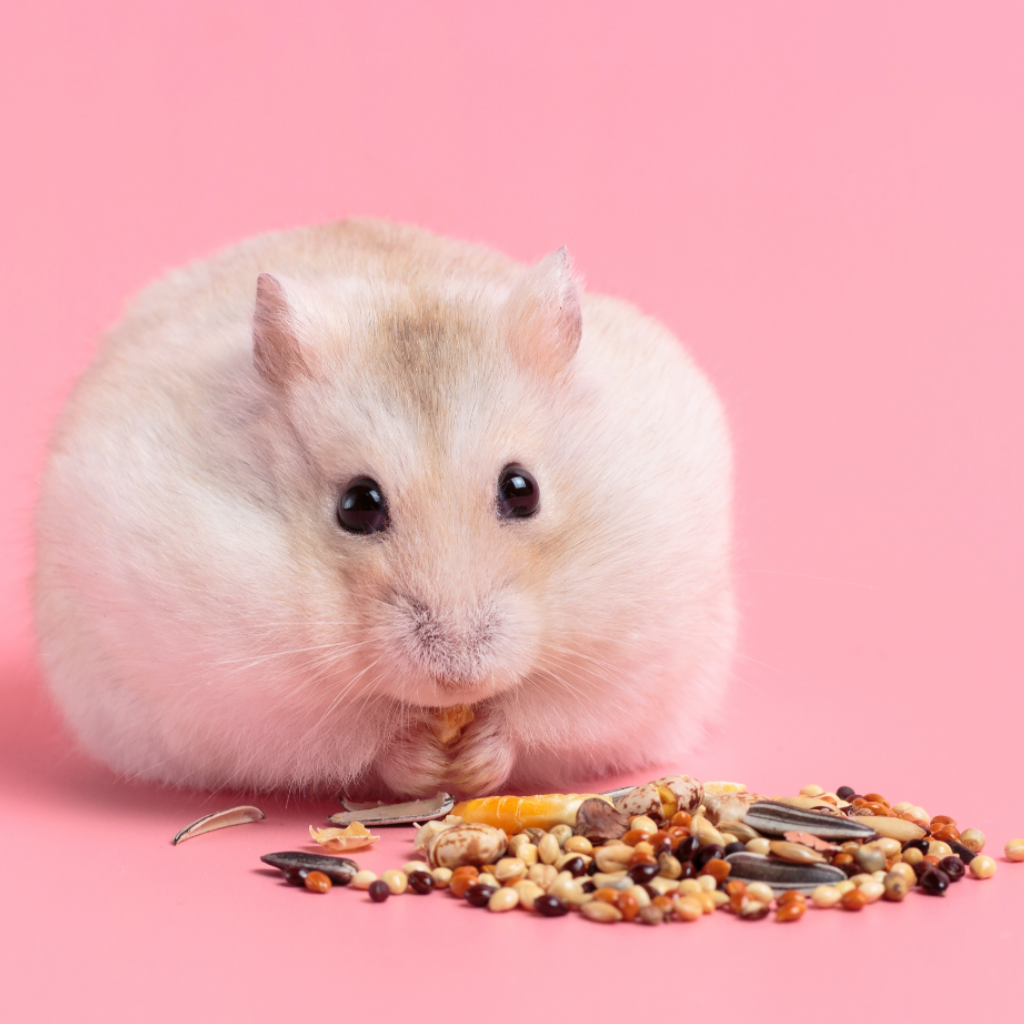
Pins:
x,y
358,508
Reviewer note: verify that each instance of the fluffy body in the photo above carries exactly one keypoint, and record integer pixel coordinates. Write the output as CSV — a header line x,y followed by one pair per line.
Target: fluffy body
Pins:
x,y
203,620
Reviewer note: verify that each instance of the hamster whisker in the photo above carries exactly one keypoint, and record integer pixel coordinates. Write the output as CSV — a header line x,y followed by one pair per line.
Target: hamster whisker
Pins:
x,y
258,660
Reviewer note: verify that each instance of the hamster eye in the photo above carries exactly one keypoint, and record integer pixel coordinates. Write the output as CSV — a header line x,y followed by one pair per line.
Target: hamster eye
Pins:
x,y
362,508
518,493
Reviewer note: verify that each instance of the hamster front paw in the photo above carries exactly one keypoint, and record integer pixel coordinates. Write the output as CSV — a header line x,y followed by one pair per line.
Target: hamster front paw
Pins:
x,y
415,764
482,759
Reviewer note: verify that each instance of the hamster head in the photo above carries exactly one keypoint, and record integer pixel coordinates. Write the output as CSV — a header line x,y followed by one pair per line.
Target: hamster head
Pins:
x,y
422,422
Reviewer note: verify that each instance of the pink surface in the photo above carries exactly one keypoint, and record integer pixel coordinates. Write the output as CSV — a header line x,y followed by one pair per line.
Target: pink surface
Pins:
x,y
824,200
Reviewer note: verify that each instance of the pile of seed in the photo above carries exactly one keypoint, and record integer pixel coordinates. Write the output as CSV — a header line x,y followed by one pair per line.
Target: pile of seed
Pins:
x,y
679,869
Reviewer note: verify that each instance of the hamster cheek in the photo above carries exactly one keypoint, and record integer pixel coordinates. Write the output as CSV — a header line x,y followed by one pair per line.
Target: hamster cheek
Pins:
x,y
482,759
414,764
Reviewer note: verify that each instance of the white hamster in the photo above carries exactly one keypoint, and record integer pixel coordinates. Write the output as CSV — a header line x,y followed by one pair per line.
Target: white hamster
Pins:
x,y
324,486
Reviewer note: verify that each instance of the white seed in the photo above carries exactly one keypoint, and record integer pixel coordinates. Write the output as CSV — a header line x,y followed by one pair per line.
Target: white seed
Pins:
x,y
509,869
812,790
598,910
644,823
890,847
689,887
612,858
527,853
689,908
705,832
719,898
873,890
570,891
415,865
442,877
561,834
759,846
504,899
542,874
612,880
528,892
1015,850
663,886
486,878
903,805
363,880
759,891
845,886
973,839
708,883
517,842
983,867
937,848
548,849
396,881
826,896
578,844
640,894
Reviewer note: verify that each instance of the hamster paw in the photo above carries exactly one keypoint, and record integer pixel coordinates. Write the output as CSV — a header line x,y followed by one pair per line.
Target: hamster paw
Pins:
x,y
482,759
415,765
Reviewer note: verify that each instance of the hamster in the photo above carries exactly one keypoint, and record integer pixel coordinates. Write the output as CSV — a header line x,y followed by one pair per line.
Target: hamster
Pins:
x,y
359,509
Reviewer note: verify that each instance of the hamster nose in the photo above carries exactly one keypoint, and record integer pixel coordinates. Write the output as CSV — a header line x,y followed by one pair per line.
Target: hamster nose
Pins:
x,y
457,644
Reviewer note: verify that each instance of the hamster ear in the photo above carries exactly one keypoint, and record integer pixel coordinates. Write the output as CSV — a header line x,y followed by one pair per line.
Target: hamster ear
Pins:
x,y
280,329
543,320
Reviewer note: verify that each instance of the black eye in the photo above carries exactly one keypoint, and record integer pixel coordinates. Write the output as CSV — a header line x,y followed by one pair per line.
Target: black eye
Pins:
x,y
362,508
518,493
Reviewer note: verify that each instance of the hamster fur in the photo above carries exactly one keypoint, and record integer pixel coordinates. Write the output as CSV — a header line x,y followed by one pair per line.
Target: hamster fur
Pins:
x,y
204,620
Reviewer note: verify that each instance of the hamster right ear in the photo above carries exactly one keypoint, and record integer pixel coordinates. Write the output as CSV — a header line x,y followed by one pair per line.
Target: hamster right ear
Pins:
x,y
282,346
543,320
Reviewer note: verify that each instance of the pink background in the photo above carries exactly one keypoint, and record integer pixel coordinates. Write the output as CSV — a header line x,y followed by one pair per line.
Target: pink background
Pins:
x,y
824,200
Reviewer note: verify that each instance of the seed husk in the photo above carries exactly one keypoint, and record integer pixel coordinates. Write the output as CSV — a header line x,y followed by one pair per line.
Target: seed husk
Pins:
x,y
406,813
219,819
599,822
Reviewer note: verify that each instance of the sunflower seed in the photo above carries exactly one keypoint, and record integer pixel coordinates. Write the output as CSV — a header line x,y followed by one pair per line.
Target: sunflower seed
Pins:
x,y
754,867
340,870
776,819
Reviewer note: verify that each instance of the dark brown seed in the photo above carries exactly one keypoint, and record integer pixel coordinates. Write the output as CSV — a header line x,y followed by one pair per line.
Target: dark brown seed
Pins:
x,y
296,876
962,852
378,891
687,848
421,882
340,870
478,895
641,873
954,867
845,792
934,881
710,852
550,906
576,867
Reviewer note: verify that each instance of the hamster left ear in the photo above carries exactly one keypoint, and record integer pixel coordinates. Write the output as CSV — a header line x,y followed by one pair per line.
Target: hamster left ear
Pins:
x,y
543,319
282,348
